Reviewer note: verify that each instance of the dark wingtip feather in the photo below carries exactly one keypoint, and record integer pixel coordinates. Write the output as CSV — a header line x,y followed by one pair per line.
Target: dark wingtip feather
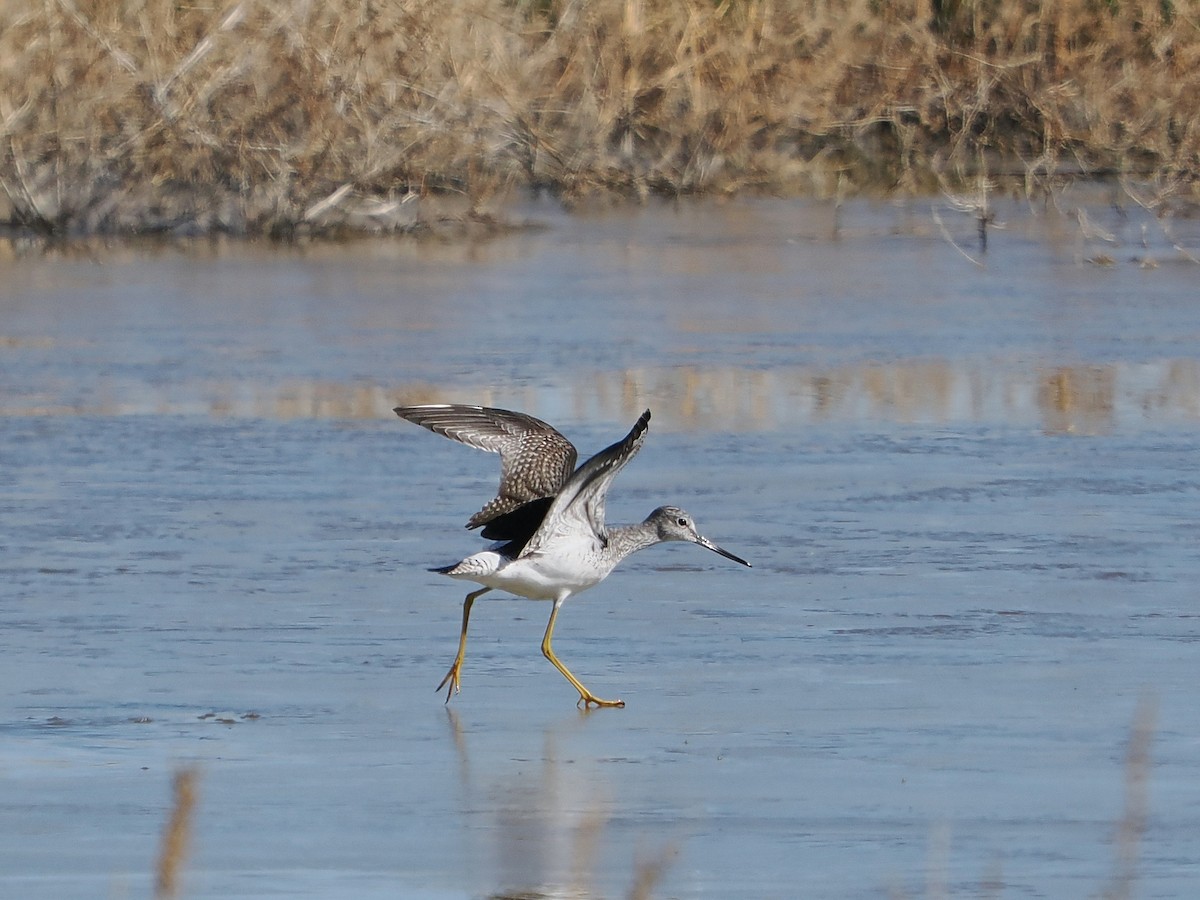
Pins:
x,y
640,427
443,570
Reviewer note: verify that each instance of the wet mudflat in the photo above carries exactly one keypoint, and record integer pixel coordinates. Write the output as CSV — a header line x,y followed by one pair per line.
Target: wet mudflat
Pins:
x,y
969,494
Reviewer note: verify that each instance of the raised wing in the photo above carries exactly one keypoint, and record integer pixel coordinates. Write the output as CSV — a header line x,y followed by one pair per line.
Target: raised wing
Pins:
x,y
535,460
579,507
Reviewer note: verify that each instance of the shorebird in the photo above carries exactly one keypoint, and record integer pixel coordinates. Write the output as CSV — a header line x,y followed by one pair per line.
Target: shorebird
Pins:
x,y
547,518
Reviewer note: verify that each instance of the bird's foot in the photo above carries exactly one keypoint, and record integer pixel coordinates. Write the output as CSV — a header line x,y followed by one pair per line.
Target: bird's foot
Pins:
x,y
452,677
587,701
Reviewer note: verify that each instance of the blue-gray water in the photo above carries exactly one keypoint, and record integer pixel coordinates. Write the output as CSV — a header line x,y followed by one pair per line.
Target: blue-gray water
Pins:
x,y
969,495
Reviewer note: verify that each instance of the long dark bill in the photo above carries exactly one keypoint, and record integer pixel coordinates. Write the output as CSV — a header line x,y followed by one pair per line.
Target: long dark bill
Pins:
x,y
705,542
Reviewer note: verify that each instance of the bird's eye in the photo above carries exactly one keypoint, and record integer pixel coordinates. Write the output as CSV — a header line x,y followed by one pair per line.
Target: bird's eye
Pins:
x,y
682,521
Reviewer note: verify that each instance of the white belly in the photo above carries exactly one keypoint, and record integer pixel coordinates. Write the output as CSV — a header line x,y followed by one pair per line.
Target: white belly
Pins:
x,y
541,577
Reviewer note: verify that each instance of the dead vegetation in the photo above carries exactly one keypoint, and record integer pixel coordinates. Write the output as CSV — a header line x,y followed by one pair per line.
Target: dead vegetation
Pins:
x,y
172,855
275,116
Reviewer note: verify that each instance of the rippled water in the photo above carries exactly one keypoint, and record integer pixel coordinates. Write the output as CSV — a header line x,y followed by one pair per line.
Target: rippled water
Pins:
x,y
969,494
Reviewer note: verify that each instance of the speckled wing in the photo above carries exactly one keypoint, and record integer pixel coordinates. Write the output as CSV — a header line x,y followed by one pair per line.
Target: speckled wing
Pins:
x,y
535,460
579,507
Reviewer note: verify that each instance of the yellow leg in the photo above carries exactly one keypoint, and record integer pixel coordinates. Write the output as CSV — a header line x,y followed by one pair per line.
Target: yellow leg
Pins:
x,y
586,697
453,675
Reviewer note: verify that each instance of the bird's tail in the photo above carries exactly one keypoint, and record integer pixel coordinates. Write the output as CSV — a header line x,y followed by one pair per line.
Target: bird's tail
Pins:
x,y
484,563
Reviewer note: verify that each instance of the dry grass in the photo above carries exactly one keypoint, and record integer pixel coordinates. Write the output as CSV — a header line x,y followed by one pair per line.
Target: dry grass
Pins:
x,y
1131,829
172,856
268,116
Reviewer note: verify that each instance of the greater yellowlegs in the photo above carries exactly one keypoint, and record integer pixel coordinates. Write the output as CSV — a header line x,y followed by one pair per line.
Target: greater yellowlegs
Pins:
x,y
548,517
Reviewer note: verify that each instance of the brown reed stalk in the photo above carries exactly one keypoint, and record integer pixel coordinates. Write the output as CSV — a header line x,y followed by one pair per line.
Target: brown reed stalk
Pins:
x,y
649,872
176,835
1131,829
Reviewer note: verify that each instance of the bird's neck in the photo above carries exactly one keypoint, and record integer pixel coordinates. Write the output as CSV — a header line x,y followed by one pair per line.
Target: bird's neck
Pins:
x,y
627,539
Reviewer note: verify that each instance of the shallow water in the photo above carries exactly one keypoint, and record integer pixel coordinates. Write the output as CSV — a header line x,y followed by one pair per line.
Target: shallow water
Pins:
x,y
969,494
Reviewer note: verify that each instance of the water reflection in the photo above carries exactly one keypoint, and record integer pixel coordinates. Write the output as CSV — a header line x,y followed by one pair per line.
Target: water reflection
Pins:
x,y
546,820
1069,399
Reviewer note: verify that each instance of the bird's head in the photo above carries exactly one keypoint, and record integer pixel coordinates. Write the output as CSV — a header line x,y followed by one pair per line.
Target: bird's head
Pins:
x,y
673,524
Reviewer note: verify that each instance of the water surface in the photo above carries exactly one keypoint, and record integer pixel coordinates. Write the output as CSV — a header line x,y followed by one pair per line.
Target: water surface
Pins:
x,y
969,494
